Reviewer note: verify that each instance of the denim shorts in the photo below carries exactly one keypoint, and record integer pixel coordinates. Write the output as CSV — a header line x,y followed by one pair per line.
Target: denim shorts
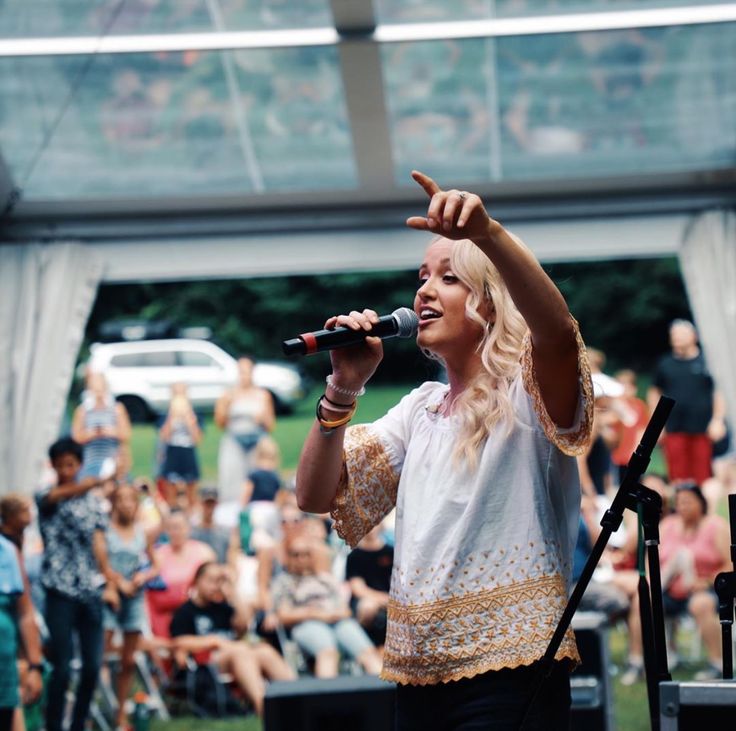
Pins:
x,y
346,635
129,618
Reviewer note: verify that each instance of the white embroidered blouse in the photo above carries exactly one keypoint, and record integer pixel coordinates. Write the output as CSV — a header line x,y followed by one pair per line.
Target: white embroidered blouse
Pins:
x,y
482,559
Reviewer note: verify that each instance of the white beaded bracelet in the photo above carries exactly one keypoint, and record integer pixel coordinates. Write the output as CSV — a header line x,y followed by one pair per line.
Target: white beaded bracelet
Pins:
x,y
344,391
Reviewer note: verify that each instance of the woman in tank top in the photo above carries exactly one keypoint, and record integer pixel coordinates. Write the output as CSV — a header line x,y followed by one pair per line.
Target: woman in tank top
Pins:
x,y
245,413
102,426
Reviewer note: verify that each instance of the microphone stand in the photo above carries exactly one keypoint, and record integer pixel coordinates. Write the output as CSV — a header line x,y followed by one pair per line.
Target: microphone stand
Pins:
x,y
648,504
725,586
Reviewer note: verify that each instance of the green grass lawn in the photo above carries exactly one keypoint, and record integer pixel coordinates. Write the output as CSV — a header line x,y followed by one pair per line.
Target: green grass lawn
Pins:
x,y
290,431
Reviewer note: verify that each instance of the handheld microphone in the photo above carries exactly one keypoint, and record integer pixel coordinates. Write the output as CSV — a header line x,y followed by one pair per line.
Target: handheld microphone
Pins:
x,y
402,323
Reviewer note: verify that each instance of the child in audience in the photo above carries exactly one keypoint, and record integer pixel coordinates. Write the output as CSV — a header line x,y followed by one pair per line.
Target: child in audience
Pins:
x,y
180,435
133,564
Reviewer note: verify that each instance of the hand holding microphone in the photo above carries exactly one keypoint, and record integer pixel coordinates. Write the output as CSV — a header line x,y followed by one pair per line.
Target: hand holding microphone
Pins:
x,y
353,366
357,326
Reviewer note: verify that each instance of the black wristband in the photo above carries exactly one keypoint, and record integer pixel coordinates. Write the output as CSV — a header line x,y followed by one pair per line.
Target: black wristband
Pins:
x,y
36,666
334,403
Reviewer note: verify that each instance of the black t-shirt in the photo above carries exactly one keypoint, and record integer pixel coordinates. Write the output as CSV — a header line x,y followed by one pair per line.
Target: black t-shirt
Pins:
x,y
266,484
690,384
374,567
213,619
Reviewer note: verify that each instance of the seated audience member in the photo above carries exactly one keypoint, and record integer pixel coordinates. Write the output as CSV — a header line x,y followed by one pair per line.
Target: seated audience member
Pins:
x,y
694,548
273,558
313,607
601,595
207,626
178,561
206,530
626,577
133,563
368,571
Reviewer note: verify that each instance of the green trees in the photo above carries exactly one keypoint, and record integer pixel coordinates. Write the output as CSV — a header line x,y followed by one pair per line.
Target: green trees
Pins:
x,y
624,308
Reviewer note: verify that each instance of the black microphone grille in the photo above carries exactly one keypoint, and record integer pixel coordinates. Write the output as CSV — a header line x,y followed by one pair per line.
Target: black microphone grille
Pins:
x,y
408,322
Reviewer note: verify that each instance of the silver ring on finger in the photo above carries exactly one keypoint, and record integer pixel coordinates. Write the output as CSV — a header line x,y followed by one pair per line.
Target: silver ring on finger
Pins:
x,y
462,195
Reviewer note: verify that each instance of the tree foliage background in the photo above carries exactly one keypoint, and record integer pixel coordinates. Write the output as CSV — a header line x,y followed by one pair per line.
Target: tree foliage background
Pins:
x,y
624,308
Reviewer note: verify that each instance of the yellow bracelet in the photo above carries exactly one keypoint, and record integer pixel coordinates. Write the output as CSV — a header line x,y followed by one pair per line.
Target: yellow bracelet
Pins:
x,y
328,426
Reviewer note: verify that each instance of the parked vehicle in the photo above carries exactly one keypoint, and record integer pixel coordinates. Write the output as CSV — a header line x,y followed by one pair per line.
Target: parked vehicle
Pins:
x,y
141,373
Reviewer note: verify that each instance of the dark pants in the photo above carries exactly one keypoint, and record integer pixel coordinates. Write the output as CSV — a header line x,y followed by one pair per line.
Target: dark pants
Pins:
x,y
66,617
493,701
6,718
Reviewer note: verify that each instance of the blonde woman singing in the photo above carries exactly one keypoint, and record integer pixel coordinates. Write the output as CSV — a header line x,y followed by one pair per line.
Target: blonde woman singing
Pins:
x,y
481,471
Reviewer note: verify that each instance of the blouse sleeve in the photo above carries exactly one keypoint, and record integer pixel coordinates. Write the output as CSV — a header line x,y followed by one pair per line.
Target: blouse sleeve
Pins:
x,y
373,456
573,440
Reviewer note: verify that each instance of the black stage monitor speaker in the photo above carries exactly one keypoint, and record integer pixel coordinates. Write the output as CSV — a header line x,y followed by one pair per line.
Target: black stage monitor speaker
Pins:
x,y
590,684
696,706
348,703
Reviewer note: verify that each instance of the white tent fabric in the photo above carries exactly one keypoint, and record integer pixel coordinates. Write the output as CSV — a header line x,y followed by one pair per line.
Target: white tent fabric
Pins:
x,y
708,262
46,294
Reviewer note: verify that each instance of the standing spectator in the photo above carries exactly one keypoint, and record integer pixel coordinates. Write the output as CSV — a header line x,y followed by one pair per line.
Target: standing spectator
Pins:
x,y
129,551
312,605
629,430
595,465
16,616
73,573
207,531
209,624
697,419
245,413
102,426
180,434
15,517
178,561
368,571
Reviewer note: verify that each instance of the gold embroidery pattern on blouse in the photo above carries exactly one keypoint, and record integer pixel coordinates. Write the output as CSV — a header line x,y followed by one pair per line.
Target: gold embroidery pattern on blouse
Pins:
x,y
475,632
361,504
570,443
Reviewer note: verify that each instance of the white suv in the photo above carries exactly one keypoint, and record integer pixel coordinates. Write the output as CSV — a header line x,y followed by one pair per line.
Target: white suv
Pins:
x,y
141,373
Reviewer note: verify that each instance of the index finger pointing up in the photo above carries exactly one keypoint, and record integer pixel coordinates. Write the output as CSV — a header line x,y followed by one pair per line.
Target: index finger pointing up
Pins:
x,y
430,187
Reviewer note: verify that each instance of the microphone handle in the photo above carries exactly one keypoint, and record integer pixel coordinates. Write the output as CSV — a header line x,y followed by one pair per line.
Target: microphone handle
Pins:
x,y
340,337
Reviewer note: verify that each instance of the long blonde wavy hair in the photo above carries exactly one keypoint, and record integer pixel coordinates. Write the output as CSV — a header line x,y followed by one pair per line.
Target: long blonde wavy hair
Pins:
x,y
486,402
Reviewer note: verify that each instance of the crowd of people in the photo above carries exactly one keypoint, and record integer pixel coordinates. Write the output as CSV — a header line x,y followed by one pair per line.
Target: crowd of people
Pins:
x,y
236,577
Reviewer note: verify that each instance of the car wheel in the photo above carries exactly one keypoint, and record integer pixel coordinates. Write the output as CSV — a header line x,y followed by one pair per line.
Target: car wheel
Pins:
x,y
137,409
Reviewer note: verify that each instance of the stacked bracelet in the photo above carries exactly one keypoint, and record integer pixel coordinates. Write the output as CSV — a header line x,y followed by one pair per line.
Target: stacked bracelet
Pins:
x,y
328,426
330,405
344,391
